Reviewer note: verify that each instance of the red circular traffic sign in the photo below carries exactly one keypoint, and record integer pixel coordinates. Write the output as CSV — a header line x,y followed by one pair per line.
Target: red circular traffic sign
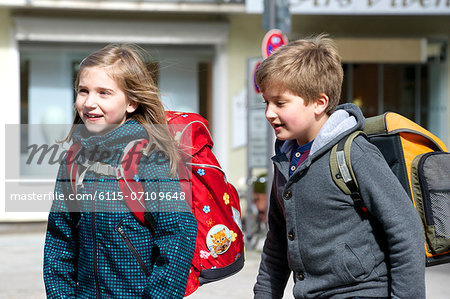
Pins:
x,y
272,41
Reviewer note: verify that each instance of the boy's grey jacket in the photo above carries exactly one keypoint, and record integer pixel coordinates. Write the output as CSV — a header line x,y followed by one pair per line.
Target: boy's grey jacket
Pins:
x,y
315,231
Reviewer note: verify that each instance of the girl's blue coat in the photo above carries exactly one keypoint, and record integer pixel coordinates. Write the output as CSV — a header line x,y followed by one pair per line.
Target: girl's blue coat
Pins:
x,y
108,253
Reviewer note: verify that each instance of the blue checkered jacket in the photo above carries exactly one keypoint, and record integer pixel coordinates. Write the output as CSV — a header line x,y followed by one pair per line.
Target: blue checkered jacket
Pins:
x,y
108,253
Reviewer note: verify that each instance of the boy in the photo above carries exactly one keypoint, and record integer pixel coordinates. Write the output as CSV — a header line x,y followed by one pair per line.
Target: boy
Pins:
x,y
314,228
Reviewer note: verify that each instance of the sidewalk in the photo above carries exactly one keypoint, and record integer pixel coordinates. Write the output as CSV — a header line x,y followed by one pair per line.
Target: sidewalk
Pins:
x,y
21,270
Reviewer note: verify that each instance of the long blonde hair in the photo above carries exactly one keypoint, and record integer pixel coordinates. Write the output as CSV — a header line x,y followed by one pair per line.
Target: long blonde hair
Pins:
x,y
126,64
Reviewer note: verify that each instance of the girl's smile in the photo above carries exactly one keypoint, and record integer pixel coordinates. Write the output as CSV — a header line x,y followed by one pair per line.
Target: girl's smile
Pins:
x,y
93,117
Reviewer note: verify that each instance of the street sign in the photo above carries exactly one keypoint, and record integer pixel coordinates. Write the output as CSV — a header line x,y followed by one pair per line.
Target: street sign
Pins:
x,y
255,99
256,120
272,41
255,86
257,139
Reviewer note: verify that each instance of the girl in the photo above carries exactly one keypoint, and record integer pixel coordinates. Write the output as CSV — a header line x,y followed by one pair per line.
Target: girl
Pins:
x,y
103,251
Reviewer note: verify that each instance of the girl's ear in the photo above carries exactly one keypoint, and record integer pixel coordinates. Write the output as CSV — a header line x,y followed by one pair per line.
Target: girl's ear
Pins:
x,y
132,106
321,104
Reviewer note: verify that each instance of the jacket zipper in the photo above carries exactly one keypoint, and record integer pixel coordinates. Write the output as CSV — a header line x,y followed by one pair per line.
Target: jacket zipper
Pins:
x,y
133,251
94,242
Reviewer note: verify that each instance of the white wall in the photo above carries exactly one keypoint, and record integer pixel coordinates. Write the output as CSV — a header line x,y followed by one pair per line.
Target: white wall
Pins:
x,y
51,86
9,111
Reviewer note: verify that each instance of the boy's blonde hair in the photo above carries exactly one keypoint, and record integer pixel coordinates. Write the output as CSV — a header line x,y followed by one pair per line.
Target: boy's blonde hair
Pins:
x,y
126,65
305,67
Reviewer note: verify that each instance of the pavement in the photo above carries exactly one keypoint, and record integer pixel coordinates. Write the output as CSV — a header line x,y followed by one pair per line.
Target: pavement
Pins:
x,y
21,248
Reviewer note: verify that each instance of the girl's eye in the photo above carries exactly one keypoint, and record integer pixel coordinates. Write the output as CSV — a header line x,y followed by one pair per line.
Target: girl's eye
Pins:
x,y
104,93
82,91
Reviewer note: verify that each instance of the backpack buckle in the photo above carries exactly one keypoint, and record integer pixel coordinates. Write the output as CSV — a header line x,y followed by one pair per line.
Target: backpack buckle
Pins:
x,y
359,204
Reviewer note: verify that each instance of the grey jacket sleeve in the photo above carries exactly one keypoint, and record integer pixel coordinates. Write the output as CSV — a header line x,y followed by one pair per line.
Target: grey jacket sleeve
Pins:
x,y
274,268
388,202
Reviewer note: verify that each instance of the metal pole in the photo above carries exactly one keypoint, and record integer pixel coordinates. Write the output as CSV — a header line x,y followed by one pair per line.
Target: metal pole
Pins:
x,y
270,16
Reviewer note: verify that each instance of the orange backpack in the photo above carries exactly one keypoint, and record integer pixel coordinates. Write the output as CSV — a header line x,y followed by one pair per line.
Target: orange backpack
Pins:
x,y
420,162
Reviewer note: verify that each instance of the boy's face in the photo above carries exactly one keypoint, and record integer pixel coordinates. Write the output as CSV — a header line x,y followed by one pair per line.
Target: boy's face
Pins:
x,y
290,117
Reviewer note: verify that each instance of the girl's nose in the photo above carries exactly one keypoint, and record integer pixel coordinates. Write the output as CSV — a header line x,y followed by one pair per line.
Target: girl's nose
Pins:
x,y
90,101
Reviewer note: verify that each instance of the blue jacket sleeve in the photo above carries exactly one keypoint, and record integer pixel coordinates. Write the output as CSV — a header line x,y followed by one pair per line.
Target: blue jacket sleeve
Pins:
x,y
175,232
60,249
274,268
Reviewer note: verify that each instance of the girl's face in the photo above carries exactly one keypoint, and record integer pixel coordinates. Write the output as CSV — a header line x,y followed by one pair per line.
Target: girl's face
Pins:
x,y
101,104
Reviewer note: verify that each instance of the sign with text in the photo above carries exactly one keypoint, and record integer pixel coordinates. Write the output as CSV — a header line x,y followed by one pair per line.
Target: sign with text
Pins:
x,y
257,139
360,7
256,121
254,97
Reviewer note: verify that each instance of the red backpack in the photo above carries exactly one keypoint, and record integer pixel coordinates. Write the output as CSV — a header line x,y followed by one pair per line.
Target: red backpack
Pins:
x,y
214,201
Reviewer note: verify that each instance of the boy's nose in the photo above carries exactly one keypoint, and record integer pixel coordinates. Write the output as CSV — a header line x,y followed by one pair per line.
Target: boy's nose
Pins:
x,y
270,114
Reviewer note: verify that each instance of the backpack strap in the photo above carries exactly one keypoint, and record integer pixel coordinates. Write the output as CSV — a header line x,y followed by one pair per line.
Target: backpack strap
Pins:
x,y
96,167
71,166
72,171
126,173
131,185
342,170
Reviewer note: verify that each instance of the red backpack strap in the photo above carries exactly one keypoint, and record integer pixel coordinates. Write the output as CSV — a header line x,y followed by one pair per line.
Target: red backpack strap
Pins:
x,y
128,180
130,184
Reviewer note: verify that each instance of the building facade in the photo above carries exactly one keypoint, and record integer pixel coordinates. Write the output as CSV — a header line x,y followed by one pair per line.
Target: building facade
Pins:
x,y
395,58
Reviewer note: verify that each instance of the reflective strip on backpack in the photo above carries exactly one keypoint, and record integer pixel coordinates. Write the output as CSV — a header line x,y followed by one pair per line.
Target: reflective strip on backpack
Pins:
x,y
99,168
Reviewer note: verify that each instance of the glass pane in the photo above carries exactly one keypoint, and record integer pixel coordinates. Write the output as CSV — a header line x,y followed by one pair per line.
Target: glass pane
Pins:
x,y
24,82
406,89
399,89
345,96
424,99
365,88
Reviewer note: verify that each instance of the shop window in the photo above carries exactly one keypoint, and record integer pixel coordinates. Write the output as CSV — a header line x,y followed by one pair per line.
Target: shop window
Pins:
x,y
152,67
365,88
205,90
24,75
48,72
377,88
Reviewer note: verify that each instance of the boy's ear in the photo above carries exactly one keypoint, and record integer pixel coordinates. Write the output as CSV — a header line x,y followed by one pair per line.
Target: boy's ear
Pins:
x,y
132,106
321,104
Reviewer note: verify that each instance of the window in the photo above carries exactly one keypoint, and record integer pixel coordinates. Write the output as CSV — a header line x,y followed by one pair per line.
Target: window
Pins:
x,y
48,72
377,88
